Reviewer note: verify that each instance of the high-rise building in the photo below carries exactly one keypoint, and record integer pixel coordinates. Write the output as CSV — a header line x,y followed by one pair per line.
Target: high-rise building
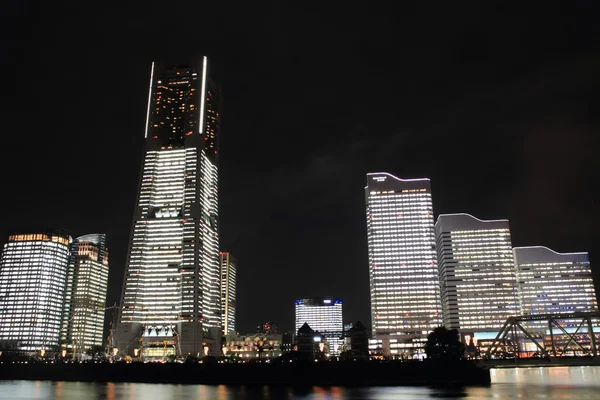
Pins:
x,y
405,298
170,296
85,298
323,315
554,283
228,271
33,274
477,272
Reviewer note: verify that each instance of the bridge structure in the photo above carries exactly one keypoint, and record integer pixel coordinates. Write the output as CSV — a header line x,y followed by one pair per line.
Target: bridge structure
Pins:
x,y
517,327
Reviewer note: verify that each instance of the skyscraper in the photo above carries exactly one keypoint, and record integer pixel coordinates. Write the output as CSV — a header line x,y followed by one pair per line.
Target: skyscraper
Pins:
x,y
323,315
170,294
228,271
405,299
85,298
477,272
554,283
33,274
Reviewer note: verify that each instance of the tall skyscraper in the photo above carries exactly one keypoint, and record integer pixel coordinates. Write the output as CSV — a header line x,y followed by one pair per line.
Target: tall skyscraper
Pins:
x,y
554,283
228,271
477,272
323,315
171,285
33,274
85,298
405,298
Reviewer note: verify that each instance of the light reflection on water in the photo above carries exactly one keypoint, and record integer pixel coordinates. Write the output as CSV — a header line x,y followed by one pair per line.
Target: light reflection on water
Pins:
x,y
519,383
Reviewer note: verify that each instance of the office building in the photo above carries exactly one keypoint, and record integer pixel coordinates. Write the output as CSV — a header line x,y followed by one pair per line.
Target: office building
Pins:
x,y
228,270
172,276
324,316
477,273
554,283
33,275
403,273
85,297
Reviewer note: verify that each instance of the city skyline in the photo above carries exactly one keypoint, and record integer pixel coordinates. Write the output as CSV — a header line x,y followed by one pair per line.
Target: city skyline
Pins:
x,y
493,108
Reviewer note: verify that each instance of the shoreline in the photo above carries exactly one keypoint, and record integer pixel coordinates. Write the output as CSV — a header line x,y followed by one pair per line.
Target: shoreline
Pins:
x,y
293,374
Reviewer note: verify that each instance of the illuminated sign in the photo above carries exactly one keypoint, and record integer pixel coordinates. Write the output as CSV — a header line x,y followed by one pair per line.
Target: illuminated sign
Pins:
x,y
379,178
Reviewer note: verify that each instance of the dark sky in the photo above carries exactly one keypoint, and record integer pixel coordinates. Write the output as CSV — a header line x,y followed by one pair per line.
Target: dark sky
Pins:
x,y
498,104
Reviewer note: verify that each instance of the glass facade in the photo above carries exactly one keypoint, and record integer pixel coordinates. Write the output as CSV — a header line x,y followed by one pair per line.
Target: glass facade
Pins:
x,y
477,272
323,315
553,283
33,275
85,298
228,272
403,273
171,290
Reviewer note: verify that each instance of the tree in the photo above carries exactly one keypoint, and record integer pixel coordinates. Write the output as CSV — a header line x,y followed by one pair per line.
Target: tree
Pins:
x,y
443,344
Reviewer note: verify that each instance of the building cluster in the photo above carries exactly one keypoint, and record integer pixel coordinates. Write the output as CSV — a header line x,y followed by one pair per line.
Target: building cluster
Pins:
x,y
179,288
178,294
460,272
53,292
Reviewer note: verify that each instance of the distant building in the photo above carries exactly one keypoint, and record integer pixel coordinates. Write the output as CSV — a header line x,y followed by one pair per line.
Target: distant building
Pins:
x,y
324,315
252,346
311,344
228,292
403,273
288,342
357,341
33,276
85,298
554,283
477,273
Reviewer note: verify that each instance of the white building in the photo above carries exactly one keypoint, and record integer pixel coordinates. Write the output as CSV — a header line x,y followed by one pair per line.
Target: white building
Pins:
x,y
323,315
477,273
554,283
405,298
172,277
228,280
85,298
33,275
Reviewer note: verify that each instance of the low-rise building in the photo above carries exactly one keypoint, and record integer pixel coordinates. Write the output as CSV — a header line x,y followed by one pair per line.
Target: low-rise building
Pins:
x,y
252,346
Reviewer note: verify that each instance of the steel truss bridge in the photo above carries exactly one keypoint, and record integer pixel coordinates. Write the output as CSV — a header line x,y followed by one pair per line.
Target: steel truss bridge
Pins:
x,y
515,326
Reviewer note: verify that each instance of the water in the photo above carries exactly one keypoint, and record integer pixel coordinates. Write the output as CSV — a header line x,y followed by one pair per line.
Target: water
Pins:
x,y
522,383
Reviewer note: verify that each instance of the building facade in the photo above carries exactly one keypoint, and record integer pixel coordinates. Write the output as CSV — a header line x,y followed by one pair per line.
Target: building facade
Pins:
x,y
554,283
171,285
33,276
252,346
323,315
403,273
85,297
477,273
228,280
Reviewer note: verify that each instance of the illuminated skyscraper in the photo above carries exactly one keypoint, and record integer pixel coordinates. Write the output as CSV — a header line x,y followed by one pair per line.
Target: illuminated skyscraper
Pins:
x,y
171,283
323,315
85,299
228,271
477,272
33,275
405,299
554,283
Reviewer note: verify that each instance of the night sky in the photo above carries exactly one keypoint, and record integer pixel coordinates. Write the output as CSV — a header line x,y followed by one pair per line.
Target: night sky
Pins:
x,y
496,104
